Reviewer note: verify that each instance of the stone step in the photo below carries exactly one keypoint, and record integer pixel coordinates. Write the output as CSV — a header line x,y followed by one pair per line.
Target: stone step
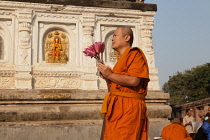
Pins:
x,y
51,130
27,111
42,112
65,129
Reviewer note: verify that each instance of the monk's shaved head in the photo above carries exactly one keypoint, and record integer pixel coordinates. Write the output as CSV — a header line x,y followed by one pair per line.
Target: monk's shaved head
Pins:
x,y
127,31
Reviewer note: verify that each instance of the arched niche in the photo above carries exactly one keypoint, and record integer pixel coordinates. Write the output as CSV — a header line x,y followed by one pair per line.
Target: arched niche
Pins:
x,y
6,50
56,47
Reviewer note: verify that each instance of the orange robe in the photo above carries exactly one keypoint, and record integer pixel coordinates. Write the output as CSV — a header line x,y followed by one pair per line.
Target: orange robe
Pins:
x,y
175,132
126,118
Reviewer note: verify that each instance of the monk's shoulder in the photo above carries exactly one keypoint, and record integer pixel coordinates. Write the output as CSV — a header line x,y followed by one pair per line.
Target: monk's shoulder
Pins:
x,y
136,51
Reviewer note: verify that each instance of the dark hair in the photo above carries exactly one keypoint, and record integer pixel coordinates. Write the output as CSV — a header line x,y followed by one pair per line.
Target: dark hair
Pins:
x,y
187,110
129,32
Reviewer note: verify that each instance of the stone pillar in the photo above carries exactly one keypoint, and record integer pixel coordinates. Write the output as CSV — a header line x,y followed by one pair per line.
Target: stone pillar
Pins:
x,y
89,65
23,77
147,47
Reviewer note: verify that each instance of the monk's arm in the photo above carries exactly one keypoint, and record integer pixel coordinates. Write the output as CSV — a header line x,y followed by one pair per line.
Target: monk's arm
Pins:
x,y
124,80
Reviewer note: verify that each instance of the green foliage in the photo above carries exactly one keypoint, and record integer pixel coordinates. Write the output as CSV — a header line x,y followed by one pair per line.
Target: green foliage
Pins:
x,y
194,83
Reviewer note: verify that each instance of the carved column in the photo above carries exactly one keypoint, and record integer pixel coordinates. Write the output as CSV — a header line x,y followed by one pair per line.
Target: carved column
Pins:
x,y
147,47
89,65
23,77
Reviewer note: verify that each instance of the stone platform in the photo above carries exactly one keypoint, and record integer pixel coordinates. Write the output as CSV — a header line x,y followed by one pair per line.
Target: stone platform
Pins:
x,y
65,114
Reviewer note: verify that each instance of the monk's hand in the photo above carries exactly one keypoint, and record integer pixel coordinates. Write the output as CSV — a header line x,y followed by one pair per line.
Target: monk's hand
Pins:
x,y
105,70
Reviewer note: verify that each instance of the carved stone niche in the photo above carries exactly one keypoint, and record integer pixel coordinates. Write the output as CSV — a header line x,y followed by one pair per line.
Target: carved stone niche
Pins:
x,y
56,47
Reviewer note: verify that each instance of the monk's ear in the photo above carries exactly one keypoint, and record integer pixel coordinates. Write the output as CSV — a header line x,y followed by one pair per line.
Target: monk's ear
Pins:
x,y
127,38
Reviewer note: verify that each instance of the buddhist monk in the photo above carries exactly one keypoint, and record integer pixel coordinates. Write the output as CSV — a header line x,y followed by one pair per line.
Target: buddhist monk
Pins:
x,y
124,105
175,131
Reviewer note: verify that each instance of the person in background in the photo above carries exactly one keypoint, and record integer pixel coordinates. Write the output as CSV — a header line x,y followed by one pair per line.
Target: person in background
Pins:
x,y
204,131
188,121
175,131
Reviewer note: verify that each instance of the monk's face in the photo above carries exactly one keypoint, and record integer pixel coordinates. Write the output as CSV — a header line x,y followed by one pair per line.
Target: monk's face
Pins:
x,y
118,39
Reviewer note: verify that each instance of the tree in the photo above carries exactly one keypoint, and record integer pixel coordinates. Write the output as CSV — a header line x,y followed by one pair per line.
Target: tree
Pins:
x,y
193,83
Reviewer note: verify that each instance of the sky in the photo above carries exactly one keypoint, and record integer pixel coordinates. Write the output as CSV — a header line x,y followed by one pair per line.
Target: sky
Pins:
x,y
181,36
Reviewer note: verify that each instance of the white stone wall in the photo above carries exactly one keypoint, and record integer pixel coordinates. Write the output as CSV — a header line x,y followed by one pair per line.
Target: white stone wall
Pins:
x,y
23,27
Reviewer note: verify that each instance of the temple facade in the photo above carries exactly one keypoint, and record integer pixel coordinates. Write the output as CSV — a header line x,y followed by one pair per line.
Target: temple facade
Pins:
x,y
41,44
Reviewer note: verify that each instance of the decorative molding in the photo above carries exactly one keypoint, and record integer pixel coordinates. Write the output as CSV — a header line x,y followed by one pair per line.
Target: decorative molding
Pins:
x,y
6,13
56,74
56,15
7,73
89,77
117,19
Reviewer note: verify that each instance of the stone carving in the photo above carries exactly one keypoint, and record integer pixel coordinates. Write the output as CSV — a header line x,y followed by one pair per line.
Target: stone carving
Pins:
x,y
25,40
56,47
57,82
7,82
148,46
8,23
25,37
24,56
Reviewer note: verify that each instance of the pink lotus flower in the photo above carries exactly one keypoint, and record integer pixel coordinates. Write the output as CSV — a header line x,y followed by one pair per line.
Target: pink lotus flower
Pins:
x,y
90,51
95,50
99,47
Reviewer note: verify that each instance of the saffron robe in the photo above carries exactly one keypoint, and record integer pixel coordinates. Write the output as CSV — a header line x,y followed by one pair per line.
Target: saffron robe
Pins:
x,y
126,118
175,132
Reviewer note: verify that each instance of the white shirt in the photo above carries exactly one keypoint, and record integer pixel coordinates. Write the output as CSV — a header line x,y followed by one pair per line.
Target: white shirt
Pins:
x,y
189,127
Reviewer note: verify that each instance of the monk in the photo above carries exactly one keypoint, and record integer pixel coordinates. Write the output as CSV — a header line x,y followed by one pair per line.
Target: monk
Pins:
x,y
124,105
175,131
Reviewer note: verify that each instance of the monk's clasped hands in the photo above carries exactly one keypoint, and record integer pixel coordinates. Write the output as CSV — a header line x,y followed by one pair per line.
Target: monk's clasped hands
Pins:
x,y
106,71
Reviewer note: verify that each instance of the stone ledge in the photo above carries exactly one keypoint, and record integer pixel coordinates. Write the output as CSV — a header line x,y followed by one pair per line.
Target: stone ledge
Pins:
x,y
43,112
17,113
69,94
98,3
65,130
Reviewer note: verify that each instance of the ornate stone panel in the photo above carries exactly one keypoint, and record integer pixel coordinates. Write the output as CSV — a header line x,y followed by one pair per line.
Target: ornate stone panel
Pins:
x,y
57,80
7,80
57,83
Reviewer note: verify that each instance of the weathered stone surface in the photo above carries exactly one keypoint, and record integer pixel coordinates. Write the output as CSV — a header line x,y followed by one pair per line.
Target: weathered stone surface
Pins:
x,y
158,110
52,130
99,3
17,113
156,126
156,96
65,130
43,112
